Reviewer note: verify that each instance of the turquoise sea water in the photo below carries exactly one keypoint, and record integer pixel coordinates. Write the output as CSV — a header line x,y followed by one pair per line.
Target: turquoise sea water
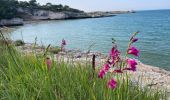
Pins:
x,y
154,27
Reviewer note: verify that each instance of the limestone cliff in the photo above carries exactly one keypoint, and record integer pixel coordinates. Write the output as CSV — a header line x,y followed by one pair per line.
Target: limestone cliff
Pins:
x,y
11,22
38,14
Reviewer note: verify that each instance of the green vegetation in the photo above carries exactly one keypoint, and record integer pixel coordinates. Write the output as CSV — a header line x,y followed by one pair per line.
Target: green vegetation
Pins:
x,y
8,8
58,8
54,50
19,43
27,78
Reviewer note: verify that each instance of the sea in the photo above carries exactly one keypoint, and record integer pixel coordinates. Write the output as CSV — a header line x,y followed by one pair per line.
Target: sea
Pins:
x,y
96,34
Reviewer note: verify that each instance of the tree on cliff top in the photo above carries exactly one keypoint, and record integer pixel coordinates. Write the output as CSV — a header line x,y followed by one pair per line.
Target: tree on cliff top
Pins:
x,y
33,4
8,8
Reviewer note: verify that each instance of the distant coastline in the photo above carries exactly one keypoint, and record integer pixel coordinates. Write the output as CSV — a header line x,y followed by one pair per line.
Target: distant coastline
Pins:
x,y
152,9
33,11
39,15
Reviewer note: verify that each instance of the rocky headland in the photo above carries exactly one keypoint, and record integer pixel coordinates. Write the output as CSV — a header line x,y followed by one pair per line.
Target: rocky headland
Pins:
x,y
38,14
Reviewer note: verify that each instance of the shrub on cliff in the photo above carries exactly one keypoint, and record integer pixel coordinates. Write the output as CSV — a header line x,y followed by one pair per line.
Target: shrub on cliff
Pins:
x,y
19,43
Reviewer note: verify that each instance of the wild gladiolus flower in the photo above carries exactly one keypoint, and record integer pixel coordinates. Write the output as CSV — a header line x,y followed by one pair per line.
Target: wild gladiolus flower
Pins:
x,y
101,73
117,53
112,51
106,67
104,70
49,63
116,61
114,54
133,51
112,84
131,64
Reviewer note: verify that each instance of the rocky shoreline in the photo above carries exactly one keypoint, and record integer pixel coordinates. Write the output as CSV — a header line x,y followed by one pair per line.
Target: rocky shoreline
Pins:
x,y
37,15
145,75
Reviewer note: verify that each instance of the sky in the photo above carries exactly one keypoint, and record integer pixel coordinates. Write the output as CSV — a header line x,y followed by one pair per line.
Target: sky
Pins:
x,y
110,5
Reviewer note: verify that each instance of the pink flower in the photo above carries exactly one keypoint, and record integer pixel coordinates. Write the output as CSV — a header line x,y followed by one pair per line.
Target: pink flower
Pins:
x,y
134,40
49,63
117,53
101,73
112,51
112,84
133,51
114,54
104,70
106,67
131,64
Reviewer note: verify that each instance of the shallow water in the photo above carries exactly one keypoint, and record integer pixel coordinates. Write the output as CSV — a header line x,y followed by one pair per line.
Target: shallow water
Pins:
x,y
154,27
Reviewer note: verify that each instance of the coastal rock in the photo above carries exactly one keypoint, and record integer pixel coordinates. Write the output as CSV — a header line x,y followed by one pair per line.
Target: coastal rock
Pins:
x,y
50,15
38,14
11,22
100,14
44,15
